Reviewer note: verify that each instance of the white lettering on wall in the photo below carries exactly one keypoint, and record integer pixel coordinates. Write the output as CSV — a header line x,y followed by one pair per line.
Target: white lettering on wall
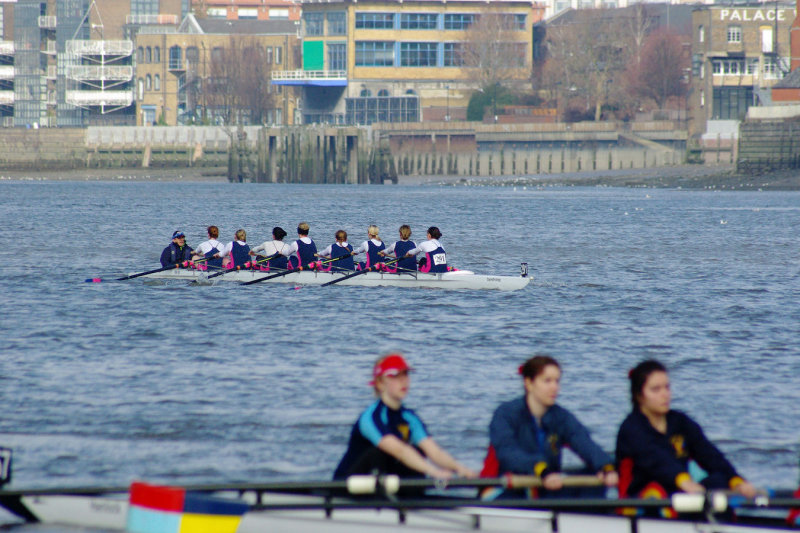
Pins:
x,y
755,15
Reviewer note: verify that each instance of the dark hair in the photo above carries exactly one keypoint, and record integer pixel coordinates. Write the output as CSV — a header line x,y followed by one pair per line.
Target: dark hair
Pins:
x,y
213,232
435,233
341,235
536,365
278,233
639,374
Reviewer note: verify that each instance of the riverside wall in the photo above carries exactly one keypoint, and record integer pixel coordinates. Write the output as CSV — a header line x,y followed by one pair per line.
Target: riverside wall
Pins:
x,y
767,145
354,154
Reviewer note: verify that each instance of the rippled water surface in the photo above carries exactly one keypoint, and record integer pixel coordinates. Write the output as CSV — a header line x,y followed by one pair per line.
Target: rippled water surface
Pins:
x,y
104,383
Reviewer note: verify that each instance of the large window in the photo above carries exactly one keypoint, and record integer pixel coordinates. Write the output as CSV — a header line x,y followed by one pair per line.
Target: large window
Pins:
x,y
458,21
175,57
314,23
731,103
734,34
375,21
337,23
453,56
381,109
337,56
520,20
374,53
418,21
418,54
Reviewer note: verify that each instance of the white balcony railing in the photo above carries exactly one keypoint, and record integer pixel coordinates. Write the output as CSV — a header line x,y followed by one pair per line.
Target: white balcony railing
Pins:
x,y
6,72
151,19
100,48
100,98
51,99
50,48
107,72
48,22
6,97
6,48
285,75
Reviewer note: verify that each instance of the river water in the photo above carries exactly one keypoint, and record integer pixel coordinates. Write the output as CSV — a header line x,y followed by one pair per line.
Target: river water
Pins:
x,y
104,383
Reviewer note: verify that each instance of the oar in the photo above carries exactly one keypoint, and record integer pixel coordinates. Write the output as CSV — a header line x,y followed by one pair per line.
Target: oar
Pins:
x,y
280,274
239,267
162,269
370,269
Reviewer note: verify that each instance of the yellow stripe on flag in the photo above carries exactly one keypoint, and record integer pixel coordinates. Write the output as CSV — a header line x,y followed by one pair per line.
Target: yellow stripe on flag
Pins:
x,y
207,523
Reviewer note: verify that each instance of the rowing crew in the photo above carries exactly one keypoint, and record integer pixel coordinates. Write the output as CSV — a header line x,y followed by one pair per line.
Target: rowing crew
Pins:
x,y
660,451
302,252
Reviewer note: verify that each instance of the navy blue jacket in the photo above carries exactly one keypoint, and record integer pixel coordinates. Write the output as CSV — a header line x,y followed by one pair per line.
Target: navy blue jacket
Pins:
x,y
524,448
644,454
174,254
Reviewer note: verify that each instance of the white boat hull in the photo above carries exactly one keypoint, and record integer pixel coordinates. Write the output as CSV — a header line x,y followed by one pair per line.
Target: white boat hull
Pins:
x,y
460,279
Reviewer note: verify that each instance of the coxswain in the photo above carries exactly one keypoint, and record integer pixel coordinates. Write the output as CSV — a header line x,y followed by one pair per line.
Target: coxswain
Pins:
x,y
435,260
237,250
390,438
211,249
177,251
657,445
527,435
275,247
372,246
301,252
400,249
341,248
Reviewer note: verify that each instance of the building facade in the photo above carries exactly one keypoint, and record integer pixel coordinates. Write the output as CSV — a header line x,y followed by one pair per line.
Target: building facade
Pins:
x,y
381,60
247,9
69,63
739,52
207,71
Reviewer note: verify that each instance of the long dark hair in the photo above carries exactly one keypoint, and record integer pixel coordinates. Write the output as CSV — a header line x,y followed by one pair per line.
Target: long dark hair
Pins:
x,y
434,232
638,376
536,365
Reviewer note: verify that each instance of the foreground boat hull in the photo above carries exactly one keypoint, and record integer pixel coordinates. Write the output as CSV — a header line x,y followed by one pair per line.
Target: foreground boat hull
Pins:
x,y
461,279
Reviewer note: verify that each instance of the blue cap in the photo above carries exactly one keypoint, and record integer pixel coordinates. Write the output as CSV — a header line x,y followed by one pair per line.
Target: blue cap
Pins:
x,y
178,234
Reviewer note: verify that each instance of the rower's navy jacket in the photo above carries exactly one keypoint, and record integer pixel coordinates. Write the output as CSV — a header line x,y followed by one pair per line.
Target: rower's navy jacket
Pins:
x,y
522,447
377,421
173,254
644,454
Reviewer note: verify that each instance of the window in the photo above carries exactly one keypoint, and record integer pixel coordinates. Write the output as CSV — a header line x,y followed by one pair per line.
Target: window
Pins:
x,y
141,89
766,40
374,53
314,23
730,67
148,55
337,23
248,13
269,55
192,57
140,55
368,110
278,55
278,13
365,93
337,56
375,21
520,20
734,34
383,93
418,21
216,13
731,103
148,83
418,54
770,69
513,52
752,66
157,83
217,54
175,57
458,21
453,55
157,54
702,99
701,34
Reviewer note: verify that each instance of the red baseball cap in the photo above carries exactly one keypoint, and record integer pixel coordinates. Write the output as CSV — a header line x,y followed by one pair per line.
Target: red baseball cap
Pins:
x,y
391,365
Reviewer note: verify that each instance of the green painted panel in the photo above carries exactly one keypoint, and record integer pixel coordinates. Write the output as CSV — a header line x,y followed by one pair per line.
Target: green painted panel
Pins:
x,y
313,56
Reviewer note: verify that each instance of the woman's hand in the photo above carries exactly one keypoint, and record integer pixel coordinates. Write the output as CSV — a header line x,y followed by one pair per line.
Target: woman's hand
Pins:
x,y
610,479
466,472
746,489
554,481
692,487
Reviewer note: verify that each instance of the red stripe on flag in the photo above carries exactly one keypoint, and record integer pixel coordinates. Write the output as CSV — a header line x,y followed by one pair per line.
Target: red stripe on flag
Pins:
x,y
157,497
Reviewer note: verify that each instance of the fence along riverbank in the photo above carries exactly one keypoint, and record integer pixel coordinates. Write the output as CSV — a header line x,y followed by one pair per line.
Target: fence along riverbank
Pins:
x,y
354,154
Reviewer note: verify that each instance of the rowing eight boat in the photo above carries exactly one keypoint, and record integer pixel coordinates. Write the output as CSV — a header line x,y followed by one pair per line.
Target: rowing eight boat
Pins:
x,y
458,279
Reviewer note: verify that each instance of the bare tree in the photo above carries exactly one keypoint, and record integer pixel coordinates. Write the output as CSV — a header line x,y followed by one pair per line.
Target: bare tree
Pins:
x,y
238,84
492,52
659,72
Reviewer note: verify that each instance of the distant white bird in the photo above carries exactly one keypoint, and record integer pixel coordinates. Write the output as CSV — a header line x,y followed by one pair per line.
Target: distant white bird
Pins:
x,y
723,221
